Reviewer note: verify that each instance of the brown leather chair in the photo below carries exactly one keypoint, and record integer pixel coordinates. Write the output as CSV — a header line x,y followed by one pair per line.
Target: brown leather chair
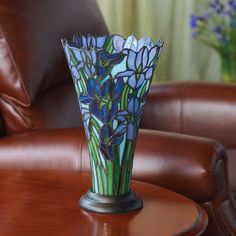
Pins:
x,y
204,109
38,106
197,108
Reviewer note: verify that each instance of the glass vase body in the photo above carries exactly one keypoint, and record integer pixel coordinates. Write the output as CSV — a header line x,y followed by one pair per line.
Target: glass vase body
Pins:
x,y
112,76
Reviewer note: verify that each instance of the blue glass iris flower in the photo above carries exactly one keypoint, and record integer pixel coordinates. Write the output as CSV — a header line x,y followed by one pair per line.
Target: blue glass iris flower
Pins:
x,y
102,98
86,60
232,4
135,108
196,20
217,6
140,66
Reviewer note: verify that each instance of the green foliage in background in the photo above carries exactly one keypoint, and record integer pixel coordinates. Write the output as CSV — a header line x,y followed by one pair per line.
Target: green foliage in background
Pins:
x,y
216,28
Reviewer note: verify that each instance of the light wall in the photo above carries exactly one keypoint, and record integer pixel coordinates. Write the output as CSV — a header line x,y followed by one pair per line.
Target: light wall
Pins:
x,y
182,58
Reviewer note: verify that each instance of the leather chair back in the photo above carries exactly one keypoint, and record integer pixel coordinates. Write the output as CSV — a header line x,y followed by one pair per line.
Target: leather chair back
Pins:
x,y
205,109
36,91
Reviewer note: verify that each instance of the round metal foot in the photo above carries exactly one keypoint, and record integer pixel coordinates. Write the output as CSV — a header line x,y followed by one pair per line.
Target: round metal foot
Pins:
x,y
107,204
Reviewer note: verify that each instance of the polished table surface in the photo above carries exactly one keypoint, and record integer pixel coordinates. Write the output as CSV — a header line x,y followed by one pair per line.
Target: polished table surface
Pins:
x,y
46,203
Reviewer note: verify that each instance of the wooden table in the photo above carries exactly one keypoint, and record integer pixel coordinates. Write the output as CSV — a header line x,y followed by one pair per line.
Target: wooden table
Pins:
x,y
46,203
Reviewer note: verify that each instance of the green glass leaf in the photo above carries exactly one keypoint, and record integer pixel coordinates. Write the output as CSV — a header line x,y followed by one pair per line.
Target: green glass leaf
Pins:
x,y
108,46
124,98
116,169
100,182
104,180
110,176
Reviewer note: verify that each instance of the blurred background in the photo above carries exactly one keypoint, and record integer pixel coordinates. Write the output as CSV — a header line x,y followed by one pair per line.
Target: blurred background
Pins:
x,y
183,57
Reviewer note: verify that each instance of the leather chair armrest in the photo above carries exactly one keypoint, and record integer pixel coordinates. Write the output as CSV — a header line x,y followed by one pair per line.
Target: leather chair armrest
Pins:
x,y
195,167
185,164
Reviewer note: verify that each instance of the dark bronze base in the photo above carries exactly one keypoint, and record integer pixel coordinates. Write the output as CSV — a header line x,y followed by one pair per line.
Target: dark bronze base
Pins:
x,y
106,204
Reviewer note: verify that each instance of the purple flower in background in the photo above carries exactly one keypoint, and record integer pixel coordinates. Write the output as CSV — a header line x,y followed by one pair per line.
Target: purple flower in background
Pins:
x,y
195,20
217,6
214,26
219,32
232,4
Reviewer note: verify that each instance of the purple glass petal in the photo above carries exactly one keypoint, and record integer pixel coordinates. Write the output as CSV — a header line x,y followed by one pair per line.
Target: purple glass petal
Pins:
x,y
93,41
84,99
80,65
93,55
87,71
90,87
94,109
149,73
132,81
89,56
131,60
121,113
140,80
111,88
84,42
130,134
83,55
139,58
105,112
118,88
111,152
126,73
133,105
92,69
118,42
136,105
101,41
121,129
97,88
102,71
117,139
121,118
77,41
113,110
104,134
75,72
88,41
105,88
145,57
152,54
67,52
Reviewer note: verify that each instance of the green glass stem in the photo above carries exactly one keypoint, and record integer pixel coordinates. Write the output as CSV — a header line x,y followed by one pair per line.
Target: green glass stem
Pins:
x,y
228,69
113,179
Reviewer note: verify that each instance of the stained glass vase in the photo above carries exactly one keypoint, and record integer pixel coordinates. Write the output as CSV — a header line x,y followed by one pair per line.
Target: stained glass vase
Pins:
x,y
112,76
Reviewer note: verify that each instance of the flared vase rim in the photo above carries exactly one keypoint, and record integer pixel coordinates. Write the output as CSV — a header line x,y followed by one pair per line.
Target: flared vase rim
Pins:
x,y
158,44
